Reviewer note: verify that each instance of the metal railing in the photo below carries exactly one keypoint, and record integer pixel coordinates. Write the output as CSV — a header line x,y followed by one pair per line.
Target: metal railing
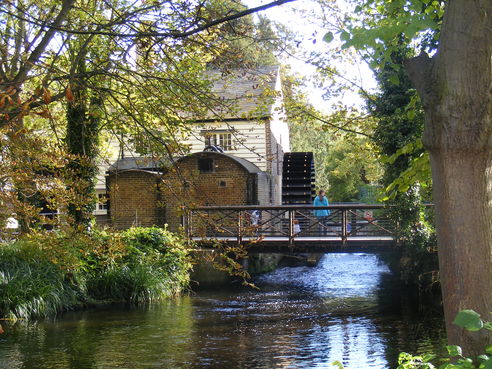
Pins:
x,y
289,222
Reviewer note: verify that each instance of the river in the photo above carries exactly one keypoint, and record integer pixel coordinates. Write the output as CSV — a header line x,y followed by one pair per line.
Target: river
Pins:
x,y
347,308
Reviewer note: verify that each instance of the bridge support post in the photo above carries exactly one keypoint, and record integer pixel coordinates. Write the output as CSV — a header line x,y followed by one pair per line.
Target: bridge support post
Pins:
x,y
291,227
239,227
344,227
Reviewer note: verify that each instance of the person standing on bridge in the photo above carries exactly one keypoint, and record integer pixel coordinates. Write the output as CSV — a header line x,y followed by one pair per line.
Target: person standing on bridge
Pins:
x,y
321,214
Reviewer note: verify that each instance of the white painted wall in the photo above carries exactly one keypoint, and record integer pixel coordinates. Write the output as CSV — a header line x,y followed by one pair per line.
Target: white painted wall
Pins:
x,y
249,139
278,123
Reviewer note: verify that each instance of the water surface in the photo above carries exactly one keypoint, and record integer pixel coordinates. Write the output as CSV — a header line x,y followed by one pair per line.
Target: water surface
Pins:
x,y
347,309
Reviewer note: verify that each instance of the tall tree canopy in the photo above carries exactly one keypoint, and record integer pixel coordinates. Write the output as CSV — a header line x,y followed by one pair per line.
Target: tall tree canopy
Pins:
x,y
454,87
128,68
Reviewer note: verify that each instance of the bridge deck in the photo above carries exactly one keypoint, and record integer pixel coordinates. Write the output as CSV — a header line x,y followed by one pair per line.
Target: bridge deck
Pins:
x,y
306,244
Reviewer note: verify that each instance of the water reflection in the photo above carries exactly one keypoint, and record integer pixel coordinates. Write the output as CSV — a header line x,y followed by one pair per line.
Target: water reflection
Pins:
x,y
301,318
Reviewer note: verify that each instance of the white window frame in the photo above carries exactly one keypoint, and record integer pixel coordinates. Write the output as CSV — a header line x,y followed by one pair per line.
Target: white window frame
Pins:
x,y
223,140
101,207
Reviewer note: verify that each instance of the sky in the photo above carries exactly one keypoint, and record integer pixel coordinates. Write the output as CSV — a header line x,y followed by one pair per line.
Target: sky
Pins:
x,y
311,33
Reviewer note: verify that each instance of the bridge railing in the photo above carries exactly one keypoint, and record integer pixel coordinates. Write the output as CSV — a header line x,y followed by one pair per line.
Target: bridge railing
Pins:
x,y
290,222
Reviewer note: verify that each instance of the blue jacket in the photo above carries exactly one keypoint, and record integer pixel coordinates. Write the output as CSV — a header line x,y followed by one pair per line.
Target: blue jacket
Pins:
x,y
319,202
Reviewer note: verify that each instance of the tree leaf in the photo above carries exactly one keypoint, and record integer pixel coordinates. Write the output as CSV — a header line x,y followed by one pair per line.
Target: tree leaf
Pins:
x,y
454,350
338,364
46,96
394,79
486,364
483,358
469,320
328,37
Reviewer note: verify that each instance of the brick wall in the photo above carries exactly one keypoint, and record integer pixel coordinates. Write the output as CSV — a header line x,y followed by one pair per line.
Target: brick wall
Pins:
x,y
135,199
229,183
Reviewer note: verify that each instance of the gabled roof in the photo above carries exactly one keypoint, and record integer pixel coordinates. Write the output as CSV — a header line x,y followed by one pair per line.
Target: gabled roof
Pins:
x,y
243,94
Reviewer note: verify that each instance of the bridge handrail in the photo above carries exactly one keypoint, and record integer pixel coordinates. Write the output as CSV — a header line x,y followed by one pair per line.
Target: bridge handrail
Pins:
x,y
291,207
348,220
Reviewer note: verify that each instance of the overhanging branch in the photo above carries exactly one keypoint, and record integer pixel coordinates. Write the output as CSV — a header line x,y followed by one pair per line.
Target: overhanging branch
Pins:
x,y
175,34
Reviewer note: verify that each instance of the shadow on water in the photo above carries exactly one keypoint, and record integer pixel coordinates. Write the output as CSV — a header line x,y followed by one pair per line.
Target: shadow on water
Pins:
x,y
347,308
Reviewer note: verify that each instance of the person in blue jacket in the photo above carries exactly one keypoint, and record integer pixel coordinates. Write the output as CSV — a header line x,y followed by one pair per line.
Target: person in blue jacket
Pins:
x,y
322,214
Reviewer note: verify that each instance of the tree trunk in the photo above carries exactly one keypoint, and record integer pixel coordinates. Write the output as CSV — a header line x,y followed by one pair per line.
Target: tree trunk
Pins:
x,y
462,193
82,141
455,88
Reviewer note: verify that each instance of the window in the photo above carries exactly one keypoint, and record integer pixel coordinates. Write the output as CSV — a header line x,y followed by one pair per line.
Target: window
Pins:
x,y
220,139
205,165
102,205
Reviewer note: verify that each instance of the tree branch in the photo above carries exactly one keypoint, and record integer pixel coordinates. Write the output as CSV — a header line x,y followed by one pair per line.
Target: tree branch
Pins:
x,y
36,54
419,71
55,26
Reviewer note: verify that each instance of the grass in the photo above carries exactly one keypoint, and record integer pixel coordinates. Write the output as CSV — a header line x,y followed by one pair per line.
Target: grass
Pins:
x,y
31,286
45,274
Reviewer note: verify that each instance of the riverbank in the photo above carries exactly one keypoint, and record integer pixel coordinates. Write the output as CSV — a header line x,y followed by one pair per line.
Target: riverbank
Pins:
x,y
43,274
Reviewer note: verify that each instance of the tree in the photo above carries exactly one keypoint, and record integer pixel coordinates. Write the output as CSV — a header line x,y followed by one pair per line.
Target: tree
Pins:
x,y
345,160
345,164
454,87
128,68
28,29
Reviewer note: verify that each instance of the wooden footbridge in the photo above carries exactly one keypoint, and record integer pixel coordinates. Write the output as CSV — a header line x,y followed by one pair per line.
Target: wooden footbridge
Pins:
x,y
348,228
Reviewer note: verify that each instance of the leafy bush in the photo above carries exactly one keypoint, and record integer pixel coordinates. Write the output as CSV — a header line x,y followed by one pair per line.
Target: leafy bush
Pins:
x,y
155,266
30,285
45,273
469,320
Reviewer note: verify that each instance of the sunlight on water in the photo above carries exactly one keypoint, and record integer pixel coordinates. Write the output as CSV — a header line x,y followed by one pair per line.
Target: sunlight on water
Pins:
x,y
305,317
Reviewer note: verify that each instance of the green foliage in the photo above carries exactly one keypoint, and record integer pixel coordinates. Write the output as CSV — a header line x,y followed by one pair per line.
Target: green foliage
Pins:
x,y
407,361
242,43
113,70
469,320
30,284
377,27
43,274
337,364
418,171
156,266
351,166
397,136
346,163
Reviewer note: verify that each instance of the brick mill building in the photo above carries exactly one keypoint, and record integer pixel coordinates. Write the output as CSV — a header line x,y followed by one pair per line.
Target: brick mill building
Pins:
x,y
236,158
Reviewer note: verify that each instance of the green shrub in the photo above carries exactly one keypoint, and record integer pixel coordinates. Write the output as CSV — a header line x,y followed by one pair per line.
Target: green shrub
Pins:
x,y
163,249
30,285
469,320
45,273
155,266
